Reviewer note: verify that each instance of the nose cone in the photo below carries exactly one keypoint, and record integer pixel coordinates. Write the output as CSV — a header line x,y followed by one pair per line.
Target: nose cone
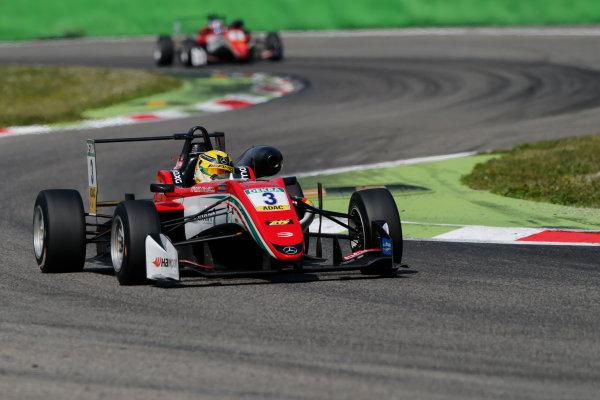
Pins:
x,y
290,252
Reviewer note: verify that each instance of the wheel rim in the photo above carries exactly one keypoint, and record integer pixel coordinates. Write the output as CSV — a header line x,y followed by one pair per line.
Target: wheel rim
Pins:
x,y
157,55
39,232
357,236
183,57
198,57
117,248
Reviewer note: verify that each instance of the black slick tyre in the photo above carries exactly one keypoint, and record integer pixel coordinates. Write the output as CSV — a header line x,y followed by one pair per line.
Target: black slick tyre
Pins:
x,y
274,44
371,205
132,221
164,51
59,231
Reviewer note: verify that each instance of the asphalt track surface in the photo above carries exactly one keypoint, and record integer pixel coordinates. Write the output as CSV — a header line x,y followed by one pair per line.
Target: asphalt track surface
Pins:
x,y
462,321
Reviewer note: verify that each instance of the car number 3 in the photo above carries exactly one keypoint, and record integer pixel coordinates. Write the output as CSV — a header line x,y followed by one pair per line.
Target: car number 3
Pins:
x,y
269,199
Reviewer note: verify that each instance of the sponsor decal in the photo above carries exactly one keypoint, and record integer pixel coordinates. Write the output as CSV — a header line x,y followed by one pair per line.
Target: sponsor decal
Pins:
x,y
280,222
220,166
386,246
223,160
359,254
284,234
92,183
273,208
177,177
91,148
164,262
93,197
264,190
206,217
222,188
268,198
179,163
244,172
208,158
203,189
290,250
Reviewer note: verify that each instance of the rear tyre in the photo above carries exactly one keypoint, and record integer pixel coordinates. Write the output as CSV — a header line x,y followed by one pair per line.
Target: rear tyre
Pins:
x,y
371,205
59,231
132,221
164,51
274,44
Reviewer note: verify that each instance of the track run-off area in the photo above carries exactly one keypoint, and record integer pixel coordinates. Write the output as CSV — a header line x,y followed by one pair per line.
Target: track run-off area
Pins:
x,y
462,320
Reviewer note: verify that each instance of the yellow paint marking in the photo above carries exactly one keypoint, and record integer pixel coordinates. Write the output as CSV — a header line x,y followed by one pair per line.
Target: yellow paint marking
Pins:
x,y
156,103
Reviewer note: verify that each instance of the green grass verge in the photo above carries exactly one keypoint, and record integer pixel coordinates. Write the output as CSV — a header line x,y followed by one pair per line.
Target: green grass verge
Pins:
x,y
194,89
565,171
28,19
448,201
42,95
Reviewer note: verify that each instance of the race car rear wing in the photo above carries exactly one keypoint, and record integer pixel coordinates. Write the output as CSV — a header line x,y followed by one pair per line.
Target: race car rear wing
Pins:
x,y
189,137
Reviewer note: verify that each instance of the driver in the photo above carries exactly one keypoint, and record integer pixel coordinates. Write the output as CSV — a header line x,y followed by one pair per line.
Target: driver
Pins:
x,y
213,164
216,26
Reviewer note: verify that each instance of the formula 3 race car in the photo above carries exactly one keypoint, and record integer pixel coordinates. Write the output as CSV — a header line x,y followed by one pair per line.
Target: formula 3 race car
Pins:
x,y
216,42
248,224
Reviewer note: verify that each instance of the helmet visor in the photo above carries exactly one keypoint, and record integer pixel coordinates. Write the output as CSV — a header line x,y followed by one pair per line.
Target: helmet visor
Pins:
x,y
220,170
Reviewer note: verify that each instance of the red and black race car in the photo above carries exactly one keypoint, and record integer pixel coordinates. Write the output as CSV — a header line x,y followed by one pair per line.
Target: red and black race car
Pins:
x,y
216,42
250,223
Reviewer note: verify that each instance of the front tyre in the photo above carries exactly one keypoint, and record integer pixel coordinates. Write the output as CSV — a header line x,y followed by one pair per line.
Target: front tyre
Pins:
x,y
275,46
371,205
164,51
59,231
132,221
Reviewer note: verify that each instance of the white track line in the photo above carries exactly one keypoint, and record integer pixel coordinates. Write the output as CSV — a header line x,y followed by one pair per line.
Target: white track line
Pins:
x,y
387,164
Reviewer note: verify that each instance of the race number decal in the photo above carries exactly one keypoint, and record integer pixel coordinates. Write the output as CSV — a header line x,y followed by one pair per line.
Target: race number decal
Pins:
x,y
268,199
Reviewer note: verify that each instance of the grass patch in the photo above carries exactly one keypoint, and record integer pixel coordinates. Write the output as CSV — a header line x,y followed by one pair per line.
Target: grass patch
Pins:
x,y
449,202
564,171
43,95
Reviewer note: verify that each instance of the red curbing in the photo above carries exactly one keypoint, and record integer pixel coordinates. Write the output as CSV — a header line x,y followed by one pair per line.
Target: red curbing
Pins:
x,y
563,237
145,117
234,104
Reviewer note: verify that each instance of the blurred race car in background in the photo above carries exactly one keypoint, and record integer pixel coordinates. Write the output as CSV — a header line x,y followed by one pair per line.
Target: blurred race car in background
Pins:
x,y
246,223
216,42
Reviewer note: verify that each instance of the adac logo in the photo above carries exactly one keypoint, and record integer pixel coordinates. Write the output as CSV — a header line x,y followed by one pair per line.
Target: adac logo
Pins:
x,y
164,262
280,222
278,207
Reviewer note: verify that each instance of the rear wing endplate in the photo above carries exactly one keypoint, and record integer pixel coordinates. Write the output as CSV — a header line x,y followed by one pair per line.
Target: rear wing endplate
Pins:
x,y
219,144
92,175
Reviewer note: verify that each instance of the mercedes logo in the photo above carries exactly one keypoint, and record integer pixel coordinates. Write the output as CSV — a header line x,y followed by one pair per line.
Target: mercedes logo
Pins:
x,y
289,250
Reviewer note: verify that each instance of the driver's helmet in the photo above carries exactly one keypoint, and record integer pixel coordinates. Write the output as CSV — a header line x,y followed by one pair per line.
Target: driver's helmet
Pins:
x,y
213,164
216,26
